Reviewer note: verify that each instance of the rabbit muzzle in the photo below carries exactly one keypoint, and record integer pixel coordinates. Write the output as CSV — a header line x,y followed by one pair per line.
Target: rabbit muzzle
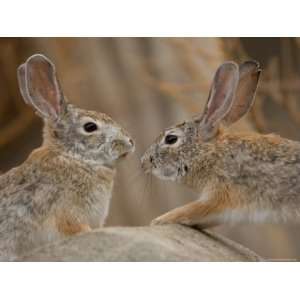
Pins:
x,y
150,166
122,147
147,165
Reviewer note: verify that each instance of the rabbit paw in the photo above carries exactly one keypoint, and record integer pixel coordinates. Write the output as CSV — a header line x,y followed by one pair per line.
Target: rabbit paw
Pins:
x,y
171,218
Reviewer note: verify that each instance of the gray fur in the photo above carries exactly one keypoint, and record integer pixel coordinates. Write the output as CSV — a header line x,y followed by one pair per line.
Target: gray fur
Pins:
x,y
64,184
240,177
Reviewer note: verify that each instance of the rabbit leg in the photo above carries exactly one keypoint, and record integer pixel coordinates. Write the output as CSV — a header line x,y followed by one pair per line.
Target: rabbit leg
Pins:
x,y
204,215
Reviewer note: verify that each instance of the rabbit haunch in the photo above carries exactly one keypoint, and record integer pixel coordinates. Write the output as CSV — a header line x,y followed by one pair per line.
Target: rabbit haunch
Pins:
x,y
260,173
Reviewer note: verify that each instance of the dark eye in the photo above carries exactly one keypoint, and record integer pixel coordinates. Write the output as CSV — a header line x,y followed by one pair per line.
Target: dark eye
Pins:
x,y
90,127
171,139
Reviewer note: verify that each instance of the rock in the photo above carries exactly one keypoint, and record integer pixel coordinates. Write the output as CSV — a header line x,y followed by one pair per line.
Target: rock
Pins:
x,y
155,243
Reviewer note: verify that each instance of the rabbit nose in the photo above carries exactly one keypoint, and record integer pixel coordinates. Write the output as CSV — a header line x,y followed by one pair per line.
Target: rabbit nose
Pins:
x,y
130,145
148,164
123,146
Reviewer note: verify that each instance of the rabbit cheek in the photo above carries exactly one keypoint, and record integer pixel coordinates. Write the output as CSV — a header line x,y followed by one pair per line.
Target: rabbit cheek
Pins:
x,y
168,172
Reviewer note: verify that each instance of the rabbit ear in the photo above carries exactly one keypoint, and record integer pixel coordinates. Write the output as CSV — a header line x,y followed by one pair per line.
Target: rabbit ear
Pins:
x,y
220,97
245,93
22,84
40,86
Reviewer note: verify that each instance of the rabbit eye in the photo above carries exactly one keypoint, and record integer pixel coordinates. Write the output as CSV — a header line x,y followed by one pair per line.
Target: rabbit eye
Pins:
x,y
171,139
90,127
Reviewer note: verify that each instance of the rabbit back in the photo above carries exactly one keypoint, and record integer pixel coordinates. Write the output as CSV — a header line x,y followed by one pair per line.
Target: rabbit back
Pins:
x,y
249,177
266,167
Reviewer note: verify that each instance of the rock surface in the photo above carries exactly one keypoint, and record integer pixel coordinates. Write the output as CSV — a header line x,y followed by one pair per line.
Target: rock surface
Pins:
x,y
156,243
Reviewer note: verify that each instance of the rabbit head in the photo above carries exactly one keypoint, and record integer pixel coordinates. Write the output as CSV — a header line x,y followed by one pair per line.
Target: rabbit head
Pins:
x,y
180,148
87,135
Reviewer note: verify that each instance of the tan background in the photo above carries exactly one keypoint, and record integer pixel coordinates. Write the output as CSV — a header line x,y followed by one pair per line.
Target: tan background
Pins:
x,y
147,84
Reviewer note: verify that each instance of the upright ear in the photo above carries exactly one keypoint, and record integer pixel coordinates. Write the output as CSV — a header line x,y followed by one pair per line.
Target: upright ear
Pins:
x,y
40,87
22,84
245,93
220,98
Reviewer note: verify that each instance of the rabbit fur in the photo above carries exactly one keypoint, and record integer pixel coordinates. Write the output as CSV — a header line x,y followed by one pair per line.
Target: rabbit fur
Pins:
x,y
65,186
240,177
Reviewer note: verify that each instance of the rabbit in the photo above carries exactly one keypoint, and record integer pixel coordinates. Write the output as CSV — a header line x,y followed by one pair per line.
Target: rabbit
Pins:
x,y
240,177
65,186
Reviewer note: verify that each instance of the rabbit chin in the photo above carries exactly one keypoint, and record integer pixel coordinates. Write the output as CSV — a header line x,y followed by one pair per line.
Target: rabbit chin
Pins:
x,y
168,173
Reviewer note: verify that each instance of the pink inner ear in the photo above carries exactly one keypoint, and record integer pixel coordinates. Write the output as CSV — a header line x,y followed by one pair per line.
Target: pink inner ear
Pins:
x,y
244,96
22,84
218,94
222,92
43,87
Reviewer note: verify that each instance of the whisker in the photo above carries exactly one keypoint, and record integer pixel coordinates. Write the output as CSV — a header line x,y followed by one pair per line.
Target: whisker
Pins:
x,y
140,189
138,175
146,190
164,184
154,191
165,195
151,185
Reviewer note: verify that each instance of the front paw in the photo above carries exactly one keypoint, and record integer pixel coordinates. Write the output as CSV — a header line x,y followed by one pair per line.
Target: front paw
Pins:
x,y
170,219
159,221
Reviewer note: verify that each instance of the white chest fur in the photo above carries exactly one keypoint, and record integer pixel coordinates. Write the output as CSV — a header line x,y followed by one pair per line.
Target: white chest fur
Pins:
x,y
99,202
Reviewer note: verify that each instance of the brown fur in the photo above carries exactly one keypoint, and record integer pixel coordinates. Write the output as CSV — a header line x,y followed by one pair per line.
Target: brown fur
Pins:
x,y
65,186
67,226
240,177
201,212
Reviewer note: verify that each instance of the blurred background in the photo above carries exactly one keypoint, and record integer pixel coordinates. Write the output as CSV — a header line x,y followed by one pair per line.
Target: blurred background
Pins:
x,y
148,84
